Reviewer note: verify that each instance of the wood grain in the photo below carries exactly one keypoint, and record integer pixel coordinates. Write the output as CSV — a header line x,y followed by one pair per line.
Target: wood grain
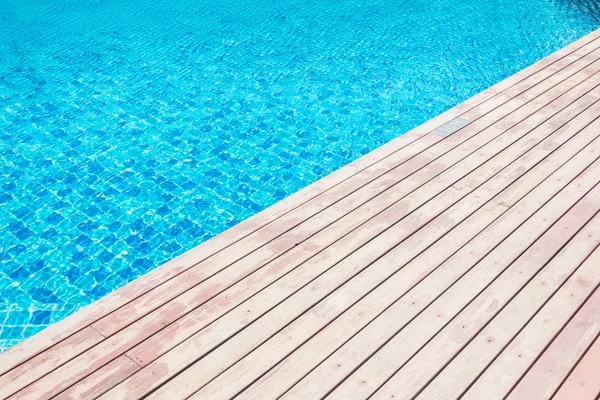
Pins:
x,y
583,382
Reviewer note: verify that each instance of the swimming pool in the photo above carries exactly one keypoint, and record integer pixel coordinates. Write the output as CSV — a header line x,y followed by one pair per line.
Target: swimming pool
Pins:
x,y
132,131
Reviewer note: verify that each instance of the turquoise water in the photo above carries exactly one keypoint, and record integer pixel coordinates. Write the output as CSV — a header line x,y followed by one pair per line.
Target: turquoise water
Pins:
x,y
131,131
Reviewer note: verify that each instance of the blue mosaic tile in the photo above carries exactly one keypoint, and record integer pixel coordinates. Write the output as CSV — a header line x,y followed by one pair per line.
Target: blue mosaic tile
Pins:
x,y
131,132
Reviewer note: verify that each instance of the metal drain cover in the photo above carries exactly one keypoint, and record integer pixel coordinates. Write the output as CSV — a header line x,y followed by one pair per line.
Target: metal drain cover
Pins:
x,y
451,127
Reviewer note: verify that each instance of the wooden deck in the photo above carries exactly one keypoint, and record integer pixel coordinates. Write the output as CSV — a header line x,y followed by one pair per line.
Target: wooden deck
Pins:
x,y
442,265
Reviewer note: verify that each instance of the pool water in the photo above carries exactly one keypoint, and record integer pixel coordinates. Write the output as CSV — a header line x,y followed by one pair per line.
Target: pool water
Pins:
x,y
132,131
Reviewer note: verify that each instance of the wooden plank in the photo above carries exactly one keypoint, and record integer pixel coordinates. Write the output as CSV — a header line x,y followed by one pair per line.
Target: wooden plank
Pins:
x,y
498,101
303,324
474,358
545,74
365,377
273,350
102,380
335,368
68,326
307,220
162,339
583,382
15,379
93,359
211,336
582,125
137,375
404,341
515,359
411,377
546,375
141,385
322,218
103,354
